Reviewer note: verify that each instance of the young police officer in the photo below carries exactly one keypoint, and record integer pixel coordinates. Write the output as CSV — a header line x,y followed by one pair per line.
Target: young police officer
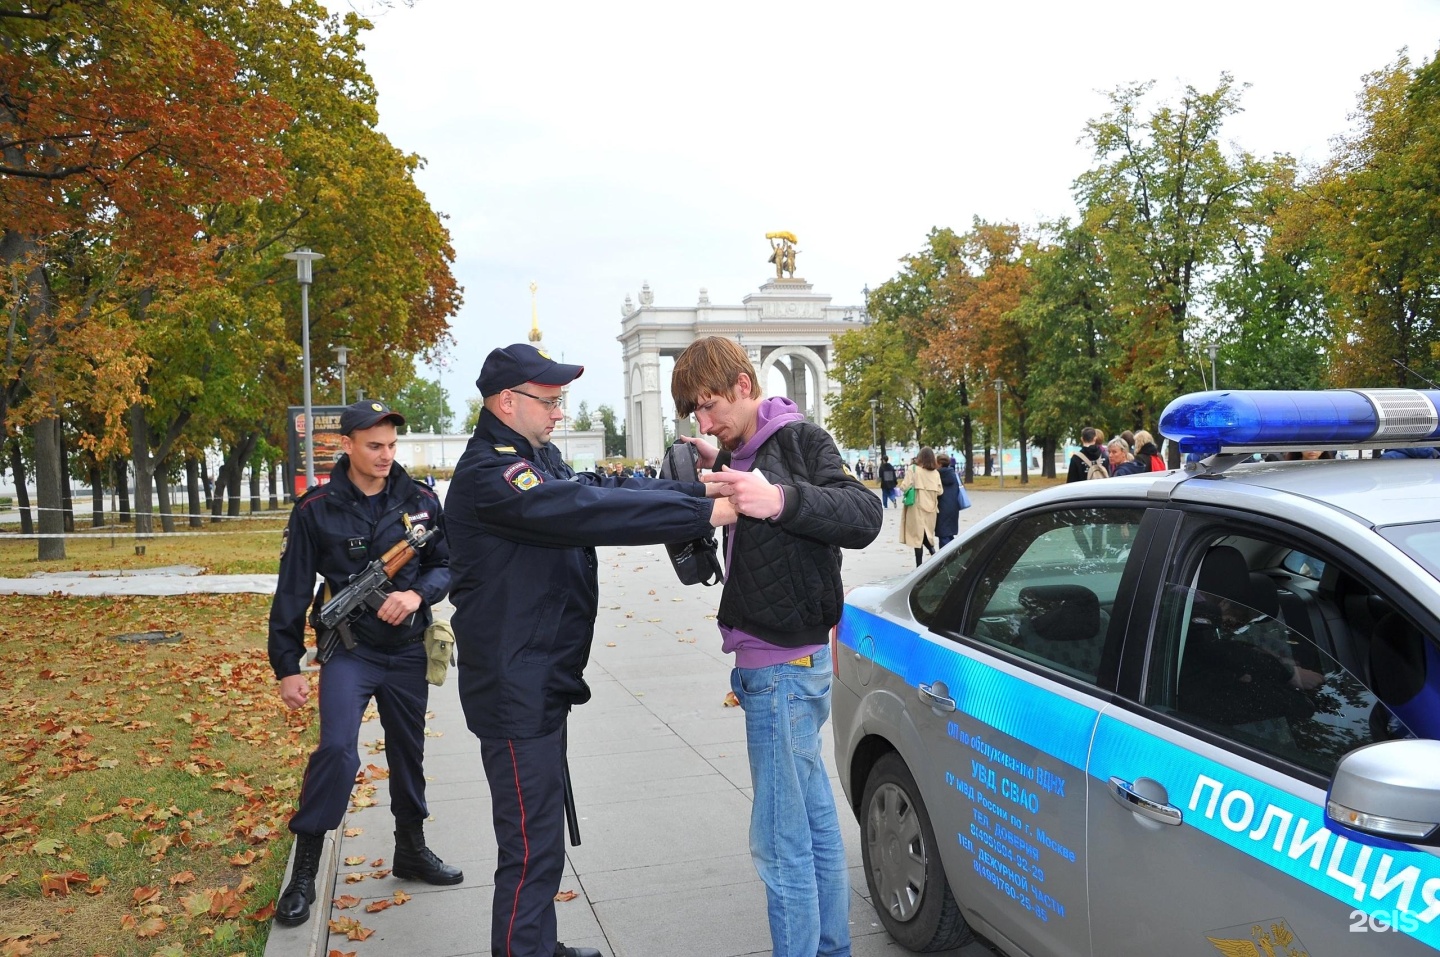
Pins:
x,y
524,527
335,530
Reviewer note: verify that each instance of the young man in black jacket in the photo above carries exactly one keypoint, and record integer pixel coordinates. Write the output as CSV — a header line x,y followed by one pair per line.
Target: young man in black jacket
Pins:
x,y
799,506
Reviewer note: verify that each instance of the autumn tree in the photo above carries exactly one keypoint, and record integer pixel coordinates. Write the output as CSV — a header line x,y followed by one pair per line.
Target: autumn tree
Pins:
x,y
118,122
1377,212
425,405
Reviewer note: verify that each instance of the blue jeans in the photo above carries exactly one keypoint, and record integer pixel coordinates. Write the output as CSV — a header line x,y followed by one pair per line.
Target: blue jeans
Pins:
x,y
794,832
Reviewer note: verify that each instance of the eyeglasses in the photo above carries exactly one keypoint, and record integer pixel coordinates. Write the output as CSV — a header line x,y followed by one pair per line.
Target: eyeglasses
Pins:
x,y
550,404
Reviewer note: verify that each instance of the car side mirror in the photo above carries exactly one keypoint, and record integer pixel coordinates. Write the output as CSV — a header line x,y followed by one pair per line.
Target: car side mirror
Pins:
x,y
1389,790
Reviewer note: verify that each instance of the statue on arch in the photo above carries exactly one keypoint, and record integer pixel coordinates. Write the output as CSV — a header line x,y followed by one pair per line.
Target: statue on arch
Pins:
x,y
782,253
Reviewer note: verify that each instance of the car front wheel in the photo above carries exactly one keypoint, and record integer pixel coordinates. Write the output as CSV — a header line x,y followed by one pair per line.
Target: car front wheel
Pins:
x,y
902,863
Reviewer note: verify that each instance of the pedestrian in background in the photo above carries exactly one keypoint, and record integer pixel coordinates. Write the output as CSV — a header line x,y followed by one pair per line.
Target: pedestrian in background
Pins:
x,y
888,480
917,520
947,515
335,530
783,593
1146,452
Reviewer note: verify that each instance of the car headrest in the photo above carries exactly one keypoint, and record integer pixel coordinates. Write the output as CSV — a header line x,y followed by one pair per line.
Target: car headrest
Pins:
x,y
1263,596
1397,660
1224,574
1062,612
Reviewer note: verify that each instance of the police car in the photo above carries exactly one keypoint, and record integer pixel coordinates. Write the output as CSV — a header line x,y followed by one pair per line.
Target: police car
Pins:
x,y
1184,713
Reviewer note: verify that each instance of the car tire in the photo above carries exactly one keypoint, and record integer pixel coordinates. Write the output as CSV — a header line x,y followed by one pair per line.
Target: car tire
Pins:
x,y
902,862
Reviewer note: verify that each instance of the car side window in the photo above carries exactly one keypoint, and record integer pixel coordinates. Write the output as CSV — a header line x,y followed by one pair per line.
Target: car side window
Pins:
x,y
1279,662
1048,592
930,594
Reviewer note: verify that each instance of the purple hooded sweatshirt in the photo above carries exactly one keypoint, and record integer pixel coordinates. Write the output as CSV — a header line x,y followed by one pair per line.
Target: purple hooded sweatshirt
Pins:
x,y
773,414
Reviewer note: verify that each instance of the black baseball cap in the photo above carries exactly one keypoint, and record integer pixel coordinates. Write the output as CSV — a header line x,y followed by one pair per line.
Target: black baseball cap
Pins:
x,y
521,363
366,414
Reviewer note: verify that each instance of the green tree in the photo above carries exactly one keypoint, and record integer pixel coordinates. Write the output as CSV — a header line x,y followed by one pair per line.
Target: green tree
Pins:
x,y
473,405
1378,213
1163,203
614,434
426,407
581,420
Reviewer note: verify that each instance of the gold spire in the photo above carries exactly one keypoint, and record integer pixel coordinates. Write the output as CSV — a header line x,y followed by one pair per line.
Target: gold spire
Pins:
x,y
534,315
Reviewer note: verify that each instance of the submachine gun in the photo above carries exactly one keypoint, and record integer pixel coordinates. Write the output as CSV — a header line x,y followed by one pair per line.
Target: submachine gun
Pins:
x,y
371,586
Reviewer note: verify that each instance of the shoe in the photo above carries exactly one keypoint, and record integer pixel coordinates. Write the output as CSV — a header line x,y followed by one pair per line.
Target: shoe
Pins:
x,y
414,861
562,951
293,908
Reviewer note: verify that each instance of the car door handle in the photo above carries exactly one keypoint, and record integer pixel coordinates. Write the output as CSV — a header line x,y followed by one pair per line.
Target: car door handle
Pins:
x,y
936,699
1133,800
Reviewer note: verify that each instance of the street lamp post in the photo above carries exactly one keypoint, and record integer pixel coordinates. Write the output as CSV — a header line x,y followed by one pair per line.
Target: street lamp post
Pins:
x,y
1000,431
1213,348
341,354
302,258
874,442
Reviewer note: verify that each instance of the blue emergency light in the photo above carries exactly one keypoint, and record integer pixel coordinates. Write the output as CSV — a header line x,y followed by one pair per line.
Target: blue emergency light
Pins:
x,y
1209,422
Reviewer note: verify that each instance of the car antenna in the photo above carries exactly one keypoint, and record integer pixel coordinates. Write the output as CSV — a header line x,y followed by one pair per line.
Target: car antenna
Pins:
x,y
1415,374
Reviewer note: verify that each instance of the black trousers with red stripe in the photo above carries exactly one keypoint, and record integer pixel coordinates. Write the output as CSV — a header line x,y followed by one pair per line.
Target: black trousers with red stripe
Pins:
x,y
527,796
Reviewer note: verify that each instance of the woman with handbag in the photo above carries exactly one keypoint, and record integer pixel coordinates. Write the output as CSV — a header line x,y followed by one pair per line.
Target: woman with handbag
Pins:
x,y
921,490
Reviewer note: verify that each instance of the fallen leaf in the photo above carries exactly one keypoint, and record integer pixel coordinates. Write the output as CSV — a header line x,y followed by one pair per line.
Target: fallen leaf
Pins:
x,y
184,877
354,831
244,858
399,897
144,895
97,886
354,860
115,840
264,914
378,862
609,644
564,896
150,927
351,928
731,701
376,907
346,901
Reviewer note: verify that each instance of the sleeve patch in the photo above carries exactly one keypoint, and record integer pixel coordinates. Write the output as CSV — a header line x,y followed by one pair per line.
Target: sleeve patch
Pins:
x,y
523,477
284,541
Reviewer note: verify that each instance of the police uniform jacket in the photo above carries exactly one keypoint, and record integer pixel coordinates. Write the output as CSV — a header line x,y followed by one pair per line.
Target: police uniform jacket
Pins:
x,y
525,591
332,533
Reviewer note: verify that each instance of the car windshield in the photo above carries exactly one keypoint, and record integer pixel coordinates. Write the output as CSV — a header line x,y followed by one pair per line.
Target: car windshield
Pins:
x,y
1419,540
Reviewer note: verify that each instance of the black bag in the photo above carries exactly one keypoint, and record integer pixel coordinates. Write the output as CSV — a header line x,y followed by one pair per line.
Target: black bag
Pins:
x,y
696,562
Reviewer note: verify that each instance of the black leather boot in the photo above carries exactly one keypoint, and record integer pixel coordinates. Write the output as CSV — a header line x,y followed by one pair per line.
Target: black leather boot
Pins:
x,y
562,951
294,905
415,862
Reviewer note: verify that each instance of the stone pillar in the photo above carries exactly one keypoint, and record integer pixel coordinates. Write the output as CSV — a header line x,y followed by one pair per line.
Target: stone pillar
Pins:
x,y
651,431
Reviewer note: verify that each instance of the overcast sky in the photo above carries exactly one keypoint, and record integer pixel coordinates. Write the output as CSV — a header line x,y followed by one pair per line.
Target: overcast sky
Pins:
x,y
590,147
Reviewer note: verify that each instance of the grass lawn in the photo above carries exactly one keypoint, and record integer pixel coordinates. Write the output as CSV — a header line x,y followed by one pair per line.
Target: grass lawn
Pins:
x,y
238,546
144,788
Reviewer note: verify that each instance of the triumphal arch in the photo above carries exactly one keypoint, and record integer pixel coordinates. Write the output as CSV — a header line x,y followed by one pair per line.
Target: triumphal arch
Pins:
x,y
785,326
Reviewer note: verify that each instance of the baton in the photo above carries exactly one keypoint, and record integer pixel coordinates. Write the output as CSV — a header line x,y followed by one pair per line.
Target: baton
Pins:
x,y
571,821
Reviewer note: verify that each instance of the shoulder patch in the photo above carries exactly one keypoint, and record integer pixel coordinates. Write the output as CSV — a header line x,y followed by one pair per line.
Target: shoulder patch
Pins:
x,y
284,541
507,449
523,477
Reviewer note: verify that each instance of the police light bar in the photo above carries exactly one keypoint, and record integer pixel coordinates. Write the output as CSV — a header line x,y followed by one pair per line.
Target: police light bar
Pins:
x,y
1209,422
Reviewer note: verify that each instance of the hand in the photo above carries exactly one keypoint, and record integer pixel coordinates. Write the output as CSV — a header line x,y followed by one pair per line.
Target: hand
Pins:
x,y
708,452
750,492
398,606
723,513
294,690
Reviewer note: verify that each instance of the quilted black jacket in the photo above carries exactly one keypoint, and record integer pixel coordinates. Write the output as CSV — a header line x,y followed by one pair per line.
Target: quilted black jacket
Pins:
x,y
783,575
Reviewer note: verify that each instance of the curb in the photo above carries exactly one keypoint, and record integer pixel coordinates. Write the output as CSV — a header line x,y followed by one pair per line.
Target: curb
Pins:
x,y
312,938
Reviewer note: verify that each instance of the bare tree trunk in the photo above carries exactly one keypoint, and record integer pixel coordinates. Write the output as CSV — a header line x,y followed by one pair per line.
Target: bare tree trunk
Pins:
x,y
205,482
67,492
274,489
235,465
122,489
162,497
47,488
97,495
1024,451
22,494
217,501
192,490
254,489
144,476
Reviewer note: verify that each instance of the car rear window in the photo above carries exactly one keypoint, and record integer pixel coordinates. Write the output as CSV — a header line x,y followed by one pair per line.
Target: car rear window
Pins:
x,y
1419,540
